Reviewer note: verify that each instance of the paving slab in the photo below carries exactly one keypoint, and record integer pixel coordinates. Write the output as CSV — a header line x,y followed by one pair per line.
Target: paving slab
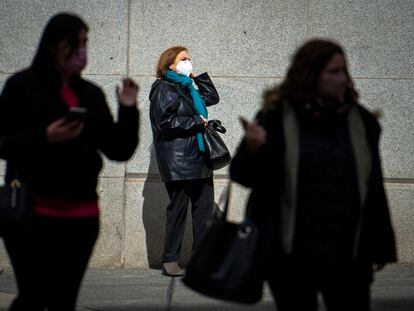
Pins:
x,y
148,290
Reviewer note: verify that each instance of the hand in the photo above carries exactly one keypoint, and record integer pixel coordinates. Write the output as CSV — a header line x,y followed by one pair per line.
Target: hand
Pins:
x,y
62,130
204,120
193,75
127,95
255,136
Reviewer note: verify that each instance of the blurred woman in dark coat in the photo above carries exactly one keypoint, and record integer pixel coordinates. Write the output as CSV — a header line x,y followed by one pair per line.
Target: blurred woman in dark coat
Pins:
x,y
58,156
311,158
179,148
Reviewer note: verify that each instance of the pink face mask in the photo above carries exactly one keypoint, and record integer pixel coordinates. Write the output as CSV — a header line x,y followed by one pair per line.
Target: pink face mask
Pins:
x,y
77,61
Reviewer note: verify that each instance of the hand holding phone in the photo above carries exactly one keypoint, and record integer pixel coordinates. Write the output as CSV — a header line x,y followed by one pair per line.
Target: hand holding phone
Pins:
x,y
76,113
254,136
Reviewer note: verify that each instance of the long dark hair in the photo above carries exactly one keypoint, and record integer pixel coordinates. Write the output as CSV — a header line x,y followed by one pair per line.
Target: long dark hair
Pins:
x,y
301,83
62,26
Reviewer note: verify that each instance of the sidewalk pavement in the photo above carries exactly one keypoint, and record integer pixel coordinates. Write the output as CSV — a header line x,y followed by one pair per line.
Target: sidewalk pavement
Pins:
x,y
147,290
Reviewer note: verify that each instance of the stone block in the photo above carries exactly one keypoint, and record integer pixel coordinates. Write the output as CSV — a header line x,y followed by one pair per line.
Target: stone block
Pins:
x,y
401,200
376,34
394,98
142,162
146,200
228,38
108,249
108,84
22,23
4,258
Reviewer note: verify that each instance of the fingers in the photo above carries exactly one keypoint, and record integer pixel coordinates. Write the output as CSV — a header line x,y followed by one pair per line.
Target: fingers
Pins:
x,y
129,84
255,136
127,93
254,128
62,130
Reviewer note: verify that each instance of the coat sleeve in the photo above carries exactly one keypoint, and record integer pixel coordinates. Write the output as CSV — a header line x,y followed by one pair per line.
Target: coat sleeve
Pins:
x,y
17,139
381,240
117,140
165,102
251,169
207,89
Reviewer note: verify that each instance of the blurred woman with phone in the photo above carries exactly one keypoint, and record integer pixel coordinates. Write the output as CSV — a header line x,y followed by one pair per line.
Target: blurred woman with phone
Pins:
x,y
56,152
312,161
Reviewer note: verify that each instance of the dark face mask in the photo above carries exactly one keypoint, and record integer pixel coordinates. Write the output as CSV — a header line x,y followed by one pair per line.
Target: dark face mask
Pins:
x,y
77,61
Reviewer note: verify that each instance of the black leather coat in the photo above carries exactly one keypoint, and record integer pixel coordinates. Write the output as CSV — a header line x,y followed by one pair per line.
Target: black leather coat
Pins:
x,y
174,126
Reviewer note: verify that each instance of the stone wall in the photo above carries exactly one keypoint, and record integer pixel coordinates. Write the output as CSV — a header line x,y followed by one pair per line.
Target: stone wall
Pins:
x,y
245,46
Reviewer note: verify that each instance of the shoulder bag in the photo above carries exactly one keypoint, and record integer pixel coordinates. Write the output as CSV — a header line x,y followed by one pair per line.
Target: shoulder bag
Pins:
x,y
226,264
16,206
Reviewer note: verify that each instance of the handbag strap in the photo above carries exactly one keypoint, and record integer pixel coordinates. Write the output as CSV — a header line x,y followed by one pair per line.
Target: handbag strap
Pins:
x,y
217,126
227,203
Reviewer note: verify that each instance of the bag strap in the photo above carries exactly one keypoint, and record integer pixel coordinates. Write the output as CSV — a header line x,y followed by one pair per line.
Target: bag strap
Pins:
x,y
217,126
227,203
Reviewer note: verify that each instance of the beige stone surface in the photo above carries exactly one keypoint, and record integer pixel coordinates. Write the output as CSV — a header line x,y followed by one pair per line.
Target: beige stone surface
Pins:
x,y
108,250
401,199
22,23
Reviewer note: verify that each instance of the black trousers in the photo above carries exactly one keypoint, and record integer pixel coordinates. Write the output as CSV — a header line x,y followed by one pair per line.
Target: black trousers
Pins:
x,y
201,194
49,261
344,287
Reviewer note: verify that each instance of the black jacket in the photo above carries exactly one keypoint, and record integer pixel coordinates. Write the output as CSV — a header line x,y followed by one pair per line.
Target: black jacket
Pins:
x,y
264,172
174,125
67,170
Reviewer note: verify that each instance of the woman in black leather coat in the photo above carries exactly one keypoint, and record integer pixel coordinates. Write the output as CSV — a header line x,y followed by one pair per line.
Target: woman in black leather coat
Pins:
x,y
177,134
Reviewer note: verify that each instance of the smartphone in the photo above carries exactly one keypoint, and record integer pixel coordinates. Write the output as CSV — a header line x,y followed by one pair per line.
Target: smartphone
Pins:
x,y
76,113
243,122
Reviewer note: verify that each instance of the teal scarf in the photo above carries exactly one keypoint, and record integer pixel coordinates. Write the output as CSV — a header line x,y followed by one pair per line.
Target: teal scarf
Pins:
x,y
199,105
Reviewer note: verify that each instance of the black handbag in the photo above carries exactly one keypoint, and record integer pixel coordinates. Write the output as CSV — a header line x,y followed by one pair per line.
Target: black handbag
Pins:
x,y
16,206
216,150
226,264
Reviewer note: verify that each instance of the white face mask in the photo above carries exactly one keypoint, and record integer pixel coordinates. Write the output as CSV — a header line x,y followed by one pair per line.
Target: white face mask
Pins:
x,y
184,67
